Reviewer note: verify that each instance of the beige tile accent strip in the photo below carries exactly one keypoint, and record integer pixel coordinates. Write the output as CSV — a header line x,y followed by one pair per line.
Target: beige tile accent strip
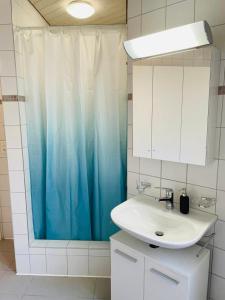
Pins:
x,y
130,96
13,98
221,90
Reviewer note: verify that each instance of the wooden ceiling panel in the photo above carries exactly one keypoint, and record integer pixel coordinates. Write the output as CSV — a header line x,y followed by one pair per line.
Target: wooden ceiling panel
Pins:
x,y
107,12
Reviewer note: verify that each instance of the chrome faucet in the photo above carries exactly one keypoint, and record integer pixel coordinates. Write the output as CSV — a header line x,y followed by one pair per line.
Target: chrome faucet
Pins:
x,y
168,199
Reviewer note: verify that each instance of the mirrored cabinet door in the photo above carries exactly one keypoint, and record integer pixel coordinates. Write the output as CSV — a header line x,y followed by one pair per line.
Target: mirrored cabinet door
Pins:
x,y
195,115
142,110
166,117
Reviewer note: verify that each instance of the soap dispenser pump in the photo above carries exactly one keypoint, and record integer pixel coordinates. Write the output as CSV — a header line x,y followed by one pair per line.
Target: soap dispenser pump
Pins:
x,y
184,202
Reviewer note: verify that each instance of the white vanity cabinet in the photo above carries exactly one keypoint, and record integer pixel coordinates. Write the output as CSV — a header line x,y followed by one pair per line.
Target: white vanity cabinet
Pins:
x,y
139,272
174,110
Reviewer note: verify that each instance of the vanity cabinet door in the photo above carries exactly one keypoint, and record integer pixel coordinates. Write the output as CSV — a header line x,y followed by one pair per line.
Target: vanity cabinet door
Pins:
x,y
195,115
167,104
142,110
127,273
163,284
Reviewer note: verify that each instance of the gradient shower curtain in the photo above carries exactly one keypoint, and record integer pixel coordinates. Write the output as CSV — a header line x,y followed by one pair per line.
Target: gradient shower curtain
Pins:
x,y
76,105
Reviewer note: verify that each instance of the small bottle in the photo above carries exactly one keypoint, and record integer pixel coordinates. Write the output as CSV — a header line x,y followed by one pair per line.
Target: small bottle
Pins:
x,y
184,202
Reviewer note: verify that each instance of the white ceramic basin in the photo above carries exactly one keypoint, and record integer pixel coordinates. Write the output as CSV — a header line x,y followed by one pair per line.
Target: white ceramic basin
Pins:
x,y
142,217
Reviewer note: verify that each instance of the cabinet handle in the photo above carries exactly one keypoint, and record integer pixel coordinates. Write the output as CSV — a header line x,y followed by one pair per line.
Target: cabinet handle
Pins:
x,y
174,281
128,257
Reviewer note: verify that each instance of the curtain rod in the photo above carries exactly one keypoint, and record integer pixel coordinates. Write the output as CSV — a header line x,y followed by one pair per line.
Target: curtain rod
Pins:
x,y
67,26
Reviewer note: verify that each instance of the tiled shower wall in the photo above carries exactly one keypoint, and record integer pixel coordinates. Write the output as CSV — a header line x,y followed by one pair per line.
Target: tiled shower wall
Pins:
x,y
11,81
148,16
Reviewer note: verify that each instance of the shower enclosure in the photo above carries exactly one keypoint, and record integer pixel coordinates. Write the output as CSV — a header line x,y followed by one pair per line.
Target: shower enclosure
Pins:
x,y
76,120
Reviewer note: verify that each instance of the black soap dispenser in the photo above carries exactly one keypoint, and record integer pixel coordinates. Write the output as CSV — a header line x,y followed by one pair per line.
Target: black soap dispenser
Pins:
x,y
184,202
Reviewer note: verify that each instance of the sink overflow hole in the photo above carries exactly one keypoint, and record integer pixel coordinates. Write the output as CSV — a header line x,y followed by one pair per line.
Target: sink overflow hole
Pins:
x,y
159,233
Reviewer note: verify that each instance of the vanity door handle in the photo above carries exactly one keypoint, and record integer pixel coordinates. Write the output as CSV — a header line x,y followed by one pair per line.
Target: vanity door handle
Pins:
x,y
127,256
174,281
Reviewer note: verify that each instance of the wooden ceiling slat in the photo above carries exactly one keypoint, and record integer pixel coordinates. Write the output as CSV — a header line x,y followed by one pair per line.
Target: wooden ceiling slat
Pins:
x,y
107,12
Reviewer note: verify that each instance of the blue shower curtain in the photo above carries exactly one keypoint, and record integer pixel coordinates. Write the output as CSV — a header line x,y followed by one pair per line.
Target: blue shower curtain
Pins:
x,y
75,86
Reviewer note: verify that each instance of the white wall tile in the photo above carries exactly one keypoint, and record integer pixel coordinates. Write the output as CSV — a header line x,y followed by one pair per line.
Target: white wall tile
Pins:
x,y
8,66
11,113
154,21
56,251
218,38
78,245
213,13
57,244
37,251
130,137
222,144
16,180
153,191
217,144
13,136
78,265
18,203
5,12
217,288
132,179
174,171
221,117
219,240
22,264
180,14
9,85
222,72
134,27
77,252
152,5
19,65
150,167
21,244
221,175
204,176
38,264
195,194
129,84
134,8
22,110
56,264
25,159
130,112
133,163
6,37
19,223
169,2
20,86
220,205
99,252
15,159
218,267
99,266
24,136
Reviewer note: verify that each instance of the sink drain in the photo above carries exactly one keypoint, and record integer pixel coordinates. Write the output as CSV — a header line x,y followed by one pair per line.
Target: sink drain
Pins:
x,y
159,233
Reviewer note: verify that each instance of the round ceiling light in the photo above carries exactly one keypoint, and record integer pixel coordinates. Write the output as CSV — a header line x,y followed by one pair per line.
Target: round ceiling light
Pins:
x,y
80,10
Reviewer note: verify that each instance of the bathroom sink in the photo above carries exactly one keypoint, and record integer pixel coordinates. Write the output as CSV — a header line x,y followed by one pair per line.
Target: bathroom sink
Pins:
x,y
150,221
